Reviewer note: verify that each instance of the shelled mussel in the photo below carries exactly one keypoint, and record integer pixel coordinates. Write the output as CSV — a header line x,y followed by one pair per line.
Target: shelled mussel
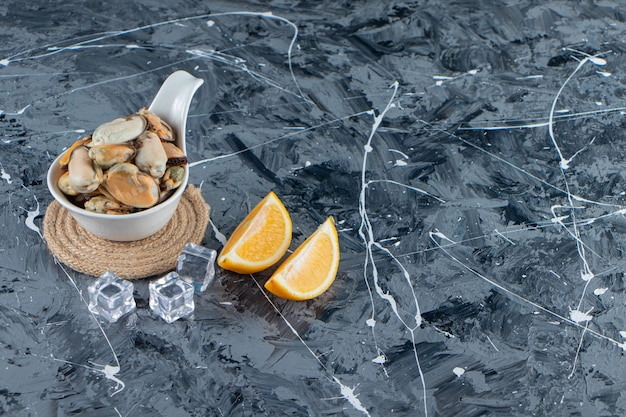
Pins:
x,y
126,165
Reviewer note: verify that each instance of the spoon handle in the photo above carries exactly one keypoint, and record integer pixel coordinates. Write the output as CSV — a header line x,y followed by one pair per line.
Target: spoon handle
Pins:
x,y
172,101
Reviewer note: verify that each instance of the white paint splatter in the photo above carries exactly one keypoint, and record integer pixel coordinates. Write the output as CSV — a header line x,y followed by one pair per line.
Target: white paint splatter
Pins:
x,y
30,219
504,237
5,176
419,190
17,112
600,291
218,235
405,156
351,397
110,372
580,344
370,270
586,275
578,316
380,359
530,77
578,115
492,344
559,219
22,110
597,61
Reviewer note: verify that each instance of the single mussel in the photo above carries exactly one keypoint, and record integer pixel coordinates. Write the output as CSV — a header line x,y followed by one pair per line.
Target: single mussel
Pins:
x,y
109,154
158,126
65,159
65,185
175,155
151,156
106,205
123,129
84,176
172,178
130,186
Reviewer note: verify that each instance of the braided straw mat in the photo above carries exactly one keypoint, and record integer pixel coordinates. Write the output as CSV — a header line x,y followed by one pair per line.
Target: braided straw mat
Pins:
x,y
87,253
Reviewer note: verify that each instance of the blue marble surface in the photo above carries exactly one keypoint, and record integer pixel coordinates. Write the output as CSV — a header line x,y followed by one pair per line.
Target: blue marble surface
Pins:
x,y
470,152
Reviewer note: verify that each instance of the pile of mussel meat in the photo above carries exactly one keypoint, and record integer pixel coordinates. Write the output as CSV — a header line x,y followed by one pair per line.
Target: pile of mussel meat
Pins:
x,y
126,165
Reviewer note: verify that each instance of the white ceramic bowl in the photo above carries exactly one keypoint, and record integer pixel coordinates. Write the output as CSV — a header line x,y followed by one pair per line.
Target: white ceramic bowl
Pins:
x,y
172,104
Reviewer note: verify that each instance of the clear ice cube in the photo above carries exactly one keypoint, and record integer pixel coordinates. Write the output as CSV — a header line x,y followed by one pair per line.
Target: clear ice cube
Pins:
x,y
196,264
111,297
171,297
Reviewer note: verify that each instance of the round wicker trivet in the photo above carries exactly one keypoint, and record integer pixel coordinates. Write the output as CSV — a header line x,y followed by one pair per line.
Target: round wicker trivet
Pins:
x,y
87,253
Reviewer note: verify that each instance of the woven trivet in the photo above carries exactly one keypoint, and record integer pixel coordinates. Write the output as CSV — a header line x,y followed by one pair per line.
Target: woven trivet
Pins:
x,y
87,253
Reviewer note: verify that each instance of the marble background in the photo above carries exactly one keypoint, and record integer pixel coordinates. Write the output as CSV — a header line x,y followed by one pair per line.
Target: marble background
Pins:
x,y
470,151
